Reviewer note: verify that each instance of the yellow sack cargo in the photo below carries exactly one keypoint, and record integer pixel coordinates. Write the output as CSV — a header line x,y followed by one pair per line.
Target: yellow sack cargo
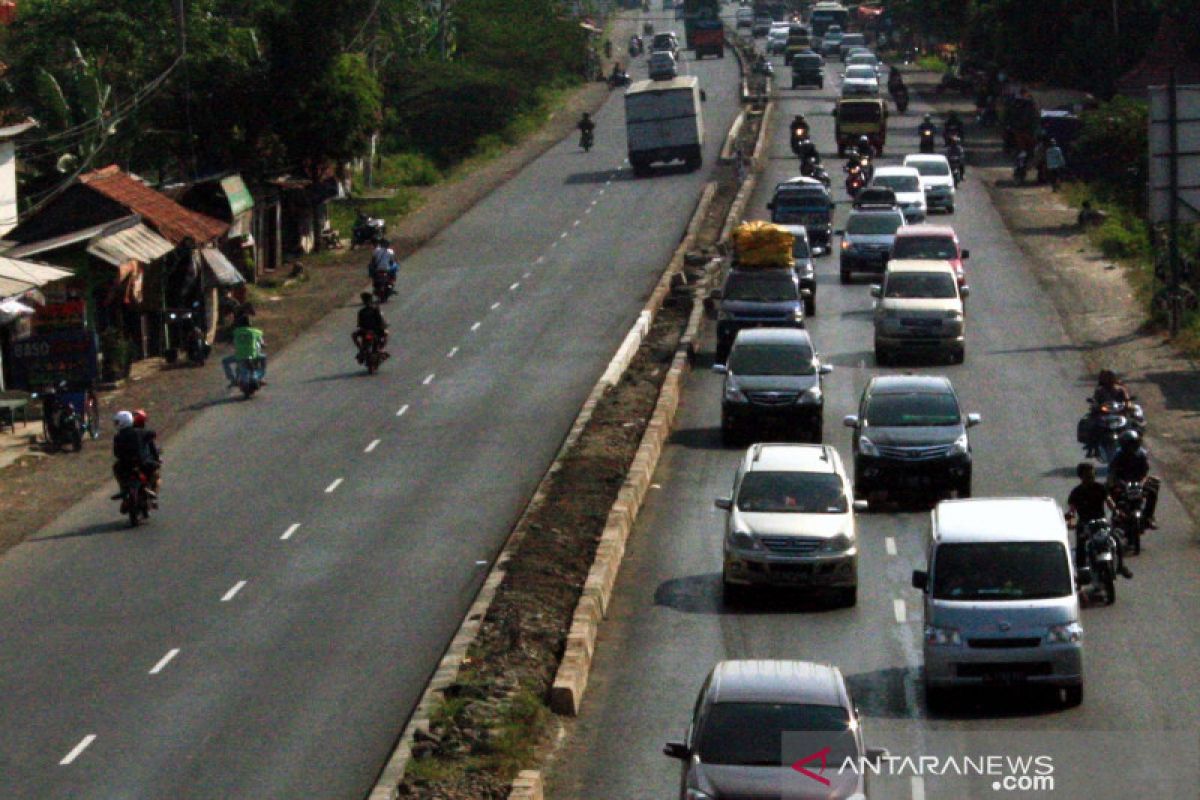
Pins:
x,y
762,244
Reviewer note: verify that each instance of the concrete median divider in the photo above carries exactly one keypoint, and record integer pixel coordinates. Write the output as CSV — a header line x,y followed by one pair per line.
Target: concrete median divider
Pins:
x,y
581,640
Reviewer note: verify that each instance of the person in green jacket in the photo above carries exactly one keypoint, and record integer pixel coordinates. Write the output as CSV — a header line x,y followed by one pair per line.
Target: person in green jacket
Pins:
x,y
248,345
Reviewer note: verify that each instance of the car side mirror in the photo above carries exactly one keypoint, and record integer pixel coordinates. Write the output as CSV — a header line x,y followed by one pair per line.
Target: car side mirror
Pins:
x,y
875,755
676,750
724,503
920,579
965,254
974,419
876,291
1083,576
860,505
720,369
850,421
825,369
965,291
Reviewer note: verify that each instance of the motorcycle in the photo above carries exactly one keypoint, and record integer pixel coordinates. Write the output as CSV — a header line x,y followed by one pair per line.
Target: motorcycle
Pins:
x,y
250,376
384,286
135,502
810,167
900,98
188,328
1021,167
367,231
957,170
950,132
371,353
926,140
1099,429
62,424
1102,547
855,181
618,79
1129,499
586,139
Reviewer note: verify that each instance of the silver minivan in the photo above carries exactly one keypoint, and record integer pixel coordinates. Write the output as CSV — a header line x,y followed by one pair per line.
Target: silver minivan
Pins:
x,y
1000,598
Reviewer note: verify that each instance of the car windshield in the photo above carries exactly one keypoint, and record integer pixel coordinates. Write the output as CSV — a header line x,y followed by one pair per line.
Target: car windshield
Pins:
x,y
771,359
936,285
863,61
1001,571
913,410
938,167
751,734
792,493
861,72
775,286
873,224
898,183
935,247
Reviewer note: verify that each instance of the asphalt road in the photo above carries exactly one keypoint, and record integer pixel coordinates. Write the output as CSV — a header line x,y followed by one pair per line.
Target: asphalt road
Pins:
x,y
269,632
668,624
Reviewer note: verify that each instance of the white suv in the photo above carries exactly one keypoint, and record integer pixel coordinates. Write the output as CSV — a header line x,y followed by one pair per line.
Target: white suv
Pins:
x,y
919,309
791,522
935,177
909,188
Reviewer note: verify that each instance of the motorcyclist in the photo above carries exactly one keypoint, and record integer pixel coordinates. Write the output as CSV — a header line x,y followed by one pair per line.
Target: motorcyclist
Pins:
x,y
370,320
952,127
865,148
587,128
1089,502
895,81
248,344
957,155
1132,464
927,125
132,453
381,259
618,76
152,466
799,127
1109,390
807,150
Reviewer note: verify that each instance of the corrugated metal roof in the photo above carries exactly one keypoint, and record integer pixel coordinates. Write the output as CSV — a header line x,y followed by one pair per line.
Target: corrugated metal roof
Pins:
x,y
135,243
170,219
221,267
21,276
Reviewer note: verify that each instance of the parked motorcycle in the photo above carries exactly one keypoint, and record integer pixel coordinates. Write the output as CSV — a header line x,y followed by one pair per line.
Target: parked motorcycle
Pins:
x,y
250,376
1102,547
1099,429
371,353
62,424
1129,500
368,231
135,502
384,286
187,328
617,80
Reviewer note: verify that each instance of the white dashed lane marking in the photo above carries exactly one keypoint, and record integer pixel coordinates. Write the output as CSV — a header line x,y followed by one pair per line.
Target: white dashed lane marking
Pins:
x,y
890,544
900,610
475,327
162,662
428,379
291,529
331,488
371,446
918,787
494,306
403,410
77,749
512,287
453,351
232,593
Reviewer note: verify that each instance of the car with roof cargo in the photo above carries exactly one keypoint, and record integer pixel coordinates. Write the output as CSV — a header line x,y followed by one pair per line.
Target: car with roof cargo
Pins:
x,y
860,79
910,191
772,378
867,240
790,522
931,242
910,435
919,312
1001,607
936,178
750,716
807,202
756,298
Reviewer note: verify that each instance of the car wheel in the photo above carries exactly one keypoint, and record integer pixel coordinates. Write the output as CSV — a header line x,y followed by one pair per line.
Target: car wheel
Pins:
x,y
963,489
810,306
1073,696
936,699
950,209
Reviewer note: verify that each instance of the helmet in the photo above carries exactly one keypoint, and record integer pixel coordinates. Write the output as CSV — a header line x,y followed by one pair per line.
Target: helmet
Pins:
x,y
366,297
123,420
139,418
863,140
929,118
1129,440
1107,377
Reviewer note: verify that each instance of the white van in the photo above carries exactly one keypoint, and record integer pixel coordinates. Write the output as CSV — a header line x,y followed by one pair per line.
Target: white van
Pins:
x,y
663,122
1000,598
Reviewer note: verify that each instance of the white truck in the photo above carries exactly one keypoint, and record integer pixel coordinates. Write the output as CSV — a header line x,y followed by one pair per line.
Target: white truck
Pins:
x,y
663,122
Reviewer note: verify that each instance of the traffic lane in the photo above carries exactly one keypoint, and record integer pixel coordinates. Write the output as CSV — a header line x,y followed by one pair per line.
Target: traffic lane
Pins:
x,y
608,722
318,372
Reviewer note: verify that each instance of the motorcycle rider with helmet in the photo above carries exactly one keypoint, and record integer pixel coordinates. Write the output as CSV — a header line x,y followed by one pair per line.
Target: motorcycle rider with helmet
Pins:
x,y
1089,502
1132,464
865,148
370,320
134,450
925,133
587,128
953,127
957,156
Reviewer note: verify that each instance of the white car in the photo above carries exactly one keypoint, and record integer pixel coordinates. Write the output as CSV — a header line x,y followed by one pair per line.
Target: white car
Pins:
x,y
791,521
910,190
860,80
661,66
745,17
937,179
777,39
867,59
919,311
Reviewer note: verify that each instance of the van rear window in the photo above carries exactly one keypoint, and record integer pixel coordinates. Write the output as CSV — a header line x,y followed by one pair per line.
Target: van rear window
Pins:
x,y
998,571
859,112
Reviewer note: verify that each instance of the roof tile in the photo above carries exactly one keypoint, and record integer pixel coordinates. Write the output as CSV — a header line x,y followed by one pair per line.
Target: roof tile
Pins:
x,y
170,219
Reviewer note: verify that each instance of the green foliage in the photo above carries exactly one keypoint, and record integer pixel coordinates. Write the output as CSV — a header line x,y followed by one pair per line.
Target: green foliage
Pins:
x,y
1111,151
407,169
1123,236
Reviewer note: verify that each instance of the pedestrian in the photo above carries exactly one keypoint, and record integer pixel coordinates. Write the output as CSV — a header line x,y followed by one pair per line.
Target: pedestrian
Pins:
x,y
1056,164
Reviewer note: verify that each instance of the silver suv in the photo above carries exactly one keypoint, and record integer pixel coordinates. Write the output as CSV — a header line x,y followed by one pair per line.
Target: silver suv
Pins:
x,y
919,311
867,240
754,720
791,522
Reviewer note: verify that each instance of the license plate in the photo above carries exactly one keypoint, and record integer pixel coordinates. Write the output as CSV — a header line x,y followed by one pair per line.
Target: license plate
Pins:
x,y
1004,678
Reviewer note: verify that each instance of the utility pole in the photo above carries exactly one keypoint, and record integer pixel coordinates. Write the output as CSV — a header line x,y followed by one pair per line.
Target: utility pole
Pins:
x,y
1173,266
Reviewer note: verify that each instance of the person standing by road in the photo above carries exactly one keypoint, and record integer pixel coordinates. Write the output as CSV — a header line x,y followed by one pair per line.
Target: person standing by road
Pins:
x,y
1056,164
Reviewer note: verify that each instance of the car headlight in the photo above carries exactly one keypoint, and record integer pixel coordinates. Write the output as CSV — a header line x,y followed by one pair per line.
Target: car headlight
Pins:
x,y
1069,633
743,540
960,447
866,447
810,396
837,544
798,314
942,637
733,394
845,244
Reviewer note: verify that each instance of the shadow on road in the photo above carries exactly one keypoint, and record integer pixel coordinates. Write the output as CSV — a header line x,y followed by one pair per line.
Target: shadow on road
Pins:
x,y
341,376
698,438
881,693
217,401
703,594
600,176
112,526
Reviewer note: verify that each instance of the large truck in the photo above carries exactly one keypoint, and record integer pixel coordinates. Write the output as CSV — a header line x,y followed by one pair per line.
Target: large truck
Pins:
x,y
663,122
707,37
699,17
778,10
825,14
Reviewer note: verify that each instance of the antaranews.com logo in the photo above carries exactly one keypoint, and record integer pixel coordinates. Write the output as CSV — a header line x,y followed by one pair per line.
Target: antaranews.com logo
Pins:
x,y
1007,773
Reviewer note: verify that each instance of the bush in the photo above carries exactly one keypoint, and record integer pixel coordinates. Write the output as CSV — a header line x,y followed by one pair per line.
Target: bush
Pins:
x,y
1123,236
1111,151
407,169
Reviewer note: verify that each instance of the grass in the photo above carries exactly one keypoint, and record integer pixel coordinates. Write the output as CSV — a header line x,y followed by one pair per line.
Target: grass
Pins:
x,y
933,64
527,123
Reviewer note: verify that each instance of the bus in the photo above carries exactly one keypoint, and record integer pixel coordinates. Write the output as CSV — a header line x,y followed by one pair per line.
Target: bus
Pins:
x,y
826,14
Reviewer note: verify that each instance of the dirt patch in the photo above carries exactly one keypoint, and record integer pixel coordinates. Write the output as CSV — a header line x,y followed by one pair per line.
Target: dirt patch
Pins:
x,y
494,720
1099,307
